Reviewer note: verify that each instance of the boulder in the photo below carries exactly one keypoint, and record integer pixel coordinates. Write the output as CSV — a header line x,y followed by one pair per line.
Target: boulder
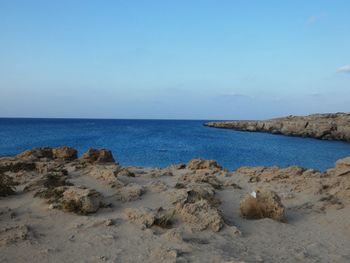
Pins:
x,y
126,172
343,163
262,204
194,192
65,153
200,176
148,217
48,154
140,216
14,165
201,215
81,201
272,173
197,164
158,172
53,196
47,182
94,156
107,173
37,154
130,192
342,167
196,204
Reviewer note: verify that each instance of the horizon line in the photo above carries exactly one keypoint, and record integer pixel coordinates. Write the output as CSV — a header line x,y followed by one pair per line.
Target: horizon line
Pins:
x,y
94,118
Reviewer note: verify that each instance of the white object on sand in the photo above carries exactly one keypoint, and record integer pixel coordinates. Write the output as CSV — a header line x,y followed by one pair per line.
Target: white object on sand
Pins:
x,y
253,194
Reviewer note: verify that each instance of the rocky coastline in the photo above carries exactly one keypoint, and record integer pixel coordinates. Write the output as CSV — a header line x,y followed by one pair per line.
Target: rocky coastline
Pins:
x,y
61,208
332,126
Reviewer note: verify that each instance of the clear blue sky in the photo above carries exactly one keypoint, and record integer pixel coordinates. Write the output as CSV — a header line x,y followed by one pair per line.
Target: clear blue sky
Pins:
x,y
174,59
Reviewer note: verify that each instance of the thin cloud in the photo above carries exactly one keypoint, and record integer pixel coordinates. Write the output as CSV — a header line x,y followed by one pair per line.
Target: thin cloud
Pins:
x,y
344,69
235,95
315,18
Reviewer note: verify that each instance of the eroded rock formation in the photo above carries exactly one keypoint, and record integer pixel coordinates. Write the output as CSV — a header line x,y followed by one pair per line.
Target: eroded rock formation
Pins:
x,y
94,156
173,214
334,126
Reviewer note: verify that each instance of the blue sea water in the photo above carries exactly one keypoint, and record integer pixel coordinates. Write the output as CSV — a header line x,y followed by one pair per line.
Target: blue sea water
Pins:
x,y
159,143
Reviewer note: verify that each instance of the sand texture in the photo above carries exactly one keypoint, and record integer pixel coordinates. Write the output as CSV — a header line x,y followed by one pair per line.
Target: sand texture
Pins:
x,y
56,207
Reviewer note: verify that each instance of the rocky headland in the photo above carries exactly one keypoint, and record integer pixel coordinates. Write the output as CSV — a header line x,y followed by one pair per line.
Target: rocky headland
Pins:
x,y
333,126
56,207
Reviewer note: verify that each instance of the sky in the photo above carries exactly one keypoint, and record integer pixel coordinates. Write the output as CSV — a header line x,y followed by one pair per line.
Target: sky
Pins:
x,y
174,59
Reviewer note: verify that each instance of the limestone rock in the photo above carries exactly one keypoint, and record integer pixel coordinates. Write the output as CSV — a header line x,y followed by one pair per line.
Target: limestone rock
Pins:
x,y
192,192
343,163
125,172
48,154
47,182
140,216
321,126
173,235
148,217
180,166
266,204
81,201
342,167
157,172
197,164
231,184
14,234
36,154
107,173
196,204
130,192
157,186
15,165
273,173
94,156
64,153
200,176
201,215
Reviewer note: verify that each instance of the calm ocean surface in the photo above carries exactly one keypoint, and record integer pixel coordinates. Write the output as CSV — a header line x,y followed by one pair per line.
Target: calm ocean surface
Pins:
x,y
159,143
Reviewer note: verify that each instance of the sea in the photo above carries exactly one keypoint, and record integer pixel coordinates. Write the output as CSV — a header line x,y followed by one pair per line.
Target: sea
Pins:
x,y
160,143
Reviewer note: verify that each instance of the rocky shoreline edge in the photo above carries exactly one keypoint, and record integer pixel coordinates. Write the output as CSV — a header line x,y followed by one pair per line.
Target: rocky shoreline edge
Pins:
x,y
330,126
62,208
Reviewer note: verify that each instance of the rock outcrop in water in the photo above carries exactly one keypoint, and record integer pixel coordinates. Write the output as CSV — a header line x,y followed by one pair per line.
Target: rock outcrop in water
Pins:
x,y
334,126
60,208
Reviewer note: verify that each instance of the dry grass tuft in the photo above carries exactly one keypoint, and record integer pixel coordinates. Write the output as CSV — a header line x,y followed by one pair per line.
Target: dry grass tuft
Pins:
x,y
7,185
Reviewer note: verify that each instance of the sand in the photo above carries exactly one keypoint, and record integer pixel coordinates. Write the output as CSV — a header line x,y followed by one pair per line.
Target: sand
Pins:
x,y
183,213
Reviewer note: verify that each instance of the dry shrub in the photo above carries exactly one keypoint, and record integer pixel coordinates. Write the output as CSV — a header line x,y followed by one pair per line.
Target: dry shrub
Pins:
x,y
7,185
266,204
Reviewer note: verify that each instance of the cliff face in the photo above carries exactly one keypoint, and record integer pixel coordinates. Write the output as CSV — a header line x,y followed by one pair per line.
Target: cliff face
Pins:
x,y
335,126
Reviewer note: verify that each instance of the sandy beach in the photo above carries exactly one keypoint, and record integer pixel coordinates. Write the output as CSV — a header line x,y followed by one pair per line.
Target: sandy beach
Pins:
x,y
58,208
174,131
